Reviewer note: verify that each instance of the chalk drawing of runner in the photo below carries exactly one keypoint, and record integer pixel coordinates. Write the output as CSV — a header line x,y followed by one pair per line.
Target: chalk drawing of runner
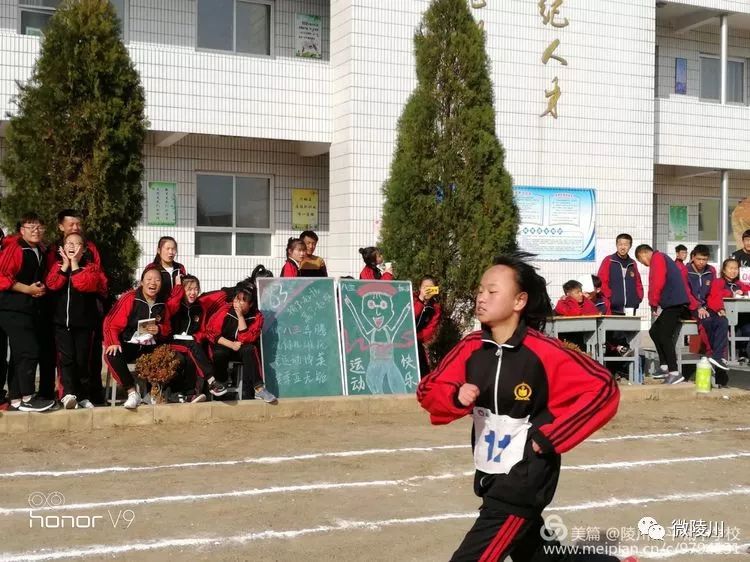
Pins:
x,y
376,324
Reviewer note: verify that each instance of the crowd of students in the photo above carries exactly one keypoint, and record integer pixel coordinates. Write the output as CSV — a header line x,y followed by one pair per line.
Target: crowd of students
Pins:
x,y
677,291
54,319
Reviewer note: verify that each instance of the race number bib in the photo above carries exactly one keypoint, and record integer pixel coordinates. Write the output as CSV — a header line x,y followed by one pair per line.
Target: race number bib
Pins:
x,y
499,441
745,274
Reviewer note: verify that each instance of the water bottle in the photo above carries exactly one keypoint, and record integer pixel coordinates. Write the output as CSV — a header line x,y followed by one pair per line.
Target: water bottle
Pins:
x,y
703,376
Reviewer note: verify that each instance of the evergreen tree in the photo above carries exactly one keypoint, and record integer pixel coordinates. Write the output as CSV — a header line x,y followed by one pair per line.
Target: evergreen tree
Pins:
x,y
449,205
77,138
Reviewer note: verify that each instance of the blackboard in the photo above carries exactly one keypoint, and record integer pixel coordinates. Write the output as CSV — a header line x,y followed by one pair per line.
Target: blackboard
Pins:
x,y
300,343
379,337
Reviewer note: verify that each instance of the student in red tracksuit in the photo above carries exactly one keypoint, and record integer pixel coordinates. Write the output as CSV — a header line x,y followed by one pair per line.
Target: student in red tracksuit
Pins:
x,y
717,326
597,297
188,317
123,345
373,259
575,303
668,299
70,221
75,283
531,399
166,251
3,348
427,314
295,254
234,332
22,274
621,280
680,255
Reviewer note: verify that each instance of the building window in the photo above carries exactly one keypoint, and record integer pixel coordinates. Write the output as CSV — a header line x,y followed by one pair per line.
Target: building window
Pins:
x,y
35,15
241,26
709,211
711,79
233,215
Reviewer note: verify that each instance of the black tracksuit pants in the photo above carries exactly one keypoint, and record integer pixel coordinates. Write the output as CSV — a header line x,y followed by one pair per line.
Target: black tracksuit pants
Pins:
x,y
74,349
118,363
664,332
247,355
20,328
3,361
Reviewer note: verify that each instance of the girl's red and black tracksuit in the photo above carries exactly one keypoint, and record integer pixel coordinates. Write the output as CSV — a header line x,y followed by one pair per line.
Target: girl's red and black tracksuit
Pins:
x,y
427,318
189,319
717,326
667,290
20,314
566,397
290,269
568,306
224,323
3,343
122,322
76,317
372,272
168,280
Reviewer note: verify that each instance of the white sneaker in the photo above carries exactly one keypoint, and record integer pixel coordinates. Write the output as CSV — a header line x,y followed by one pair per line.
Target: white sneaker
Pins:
x,y
86,404
132,402
69,402
198,398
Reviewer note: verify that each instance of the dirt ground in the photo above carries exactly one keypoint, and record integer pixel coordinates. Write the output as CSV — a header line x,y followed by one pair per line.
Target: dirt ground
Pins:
x,y
366,488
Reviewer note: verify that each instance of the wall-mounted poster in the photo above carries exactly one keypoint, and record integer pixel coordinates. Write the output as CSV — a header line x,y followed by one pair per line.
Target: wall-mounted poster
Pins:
x,y
680,76
678,223
309,43
304,209
557,223
161,203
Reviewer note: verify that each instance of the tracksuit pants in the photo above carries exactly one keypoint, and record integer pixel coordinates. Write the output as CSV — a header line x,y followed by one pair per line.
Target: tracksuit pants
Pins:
x,y
74,349
118,363
24,347
664,332
497,534
3,362
247,355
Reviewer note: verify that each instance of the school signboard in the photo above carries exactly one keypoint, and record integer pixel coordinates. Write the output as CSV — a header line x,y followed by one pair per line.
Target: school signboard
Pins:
x,y
557,223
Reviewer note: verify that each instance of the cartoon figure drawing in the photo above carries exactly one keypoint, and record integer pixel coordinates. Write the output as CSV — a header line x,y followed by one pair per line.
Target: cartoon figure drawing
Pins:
x,y
376,323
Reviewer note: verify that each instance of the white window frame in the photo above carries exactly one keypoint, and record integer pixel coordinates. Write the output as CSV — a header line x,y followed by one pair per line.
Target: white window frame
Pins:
x,y
742,61
234,230
271,36
22,7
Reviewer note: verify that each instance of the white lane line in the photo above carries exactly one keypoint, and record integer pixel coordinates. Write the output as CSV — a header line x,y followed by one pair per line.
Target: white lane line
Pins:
x,y
315,456
411,481
258,460
342,525
637,464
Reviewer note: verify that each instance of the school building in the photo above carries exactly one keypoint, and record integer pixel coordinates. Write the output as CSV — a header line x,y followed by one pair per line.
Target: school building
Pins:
x,y
266,114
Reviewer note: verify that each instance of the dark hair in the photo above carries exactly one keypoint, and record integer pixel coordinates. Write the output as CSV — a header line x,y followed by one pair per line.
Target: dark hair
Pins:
x,y
247,289
29,217
700,250
538,306
597,282
259,271
187,278
426,277
680,248
163,240
293,243
726,261
369,255
308,234
68,213
642,248
570,285
624,236
746,234
147,269
75,234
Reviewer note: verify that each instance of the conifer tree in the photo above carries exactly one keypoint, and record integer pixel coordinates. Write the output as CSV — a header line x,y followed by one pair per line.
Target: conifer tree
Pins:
x,y
77,138
449,205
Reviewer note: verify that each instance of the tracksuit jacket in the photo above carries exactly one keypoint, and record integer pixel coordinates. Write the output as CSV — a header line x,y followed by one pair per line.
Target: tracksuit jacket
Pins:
x,y
722,289
568,306
699,283
427,315
122,321
667,286
19,264
168,281
621,282
75,294
566,395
